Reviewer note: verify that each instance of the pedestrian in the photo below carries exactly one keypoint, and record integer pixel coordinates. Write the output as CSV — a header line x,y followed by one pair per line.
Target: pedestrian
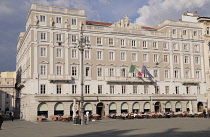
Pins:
x,y
21,115
87,114
12,115
1,120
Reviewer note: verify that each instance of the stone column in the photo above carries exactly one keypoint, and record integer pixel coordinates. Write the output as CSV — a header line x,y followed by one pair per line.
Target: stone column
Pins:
x,y
51,106
3,101
66,108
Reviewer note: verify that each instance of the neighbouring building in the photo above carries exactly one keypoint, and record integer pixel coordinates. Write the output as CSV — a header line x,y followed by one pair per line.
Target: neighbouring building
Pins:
x,y
7,91
175,52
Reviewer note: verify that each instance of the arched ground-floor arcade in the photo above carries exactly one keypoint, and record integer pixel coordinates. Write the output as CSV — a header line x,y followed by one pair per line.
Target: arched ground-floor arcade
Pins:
x,y
103,105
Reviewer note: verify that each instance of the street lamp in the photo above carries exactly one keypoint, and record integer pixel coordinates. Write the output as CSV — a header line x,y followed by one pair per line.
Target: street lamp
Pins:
x,y
82,45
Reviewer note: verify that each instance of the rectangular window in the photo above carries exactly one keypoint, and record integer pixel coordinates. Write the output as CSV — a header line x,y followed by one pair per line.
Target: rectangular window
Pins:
x,y
167,89
195,33
146,89
99,55
87,54
175,47
165,58
144,57
43,36
59,68
43,52
198,90
87,39
73,53
173,31
177,89
144,45
122,43
197,60
123,89
165,46
74,89
166,74
58,89
155,73
187,74
42,18
176,74
87,89
186,59
133,43
197,74
58,20
111,55
184,32
135,89
74,21
111,41
99,40
175,59
58,52
42,89
111,72
87,71
111,89
155,45
134,57
99,89
196,48
122,56
157,90
74,71
58,37
73,38
99,72
188,90
155,58
185,47
123,72
43,70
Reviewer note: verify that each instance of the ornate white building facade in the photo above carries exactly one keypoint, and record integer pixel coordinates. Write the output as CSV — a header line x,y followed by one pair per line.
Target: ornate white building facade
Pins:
x,y
48,64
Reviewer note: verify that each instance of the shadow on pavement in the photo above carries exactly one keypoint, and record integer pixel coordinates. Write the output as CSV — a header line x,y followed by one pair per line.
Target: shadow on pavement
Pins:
x,y
128,133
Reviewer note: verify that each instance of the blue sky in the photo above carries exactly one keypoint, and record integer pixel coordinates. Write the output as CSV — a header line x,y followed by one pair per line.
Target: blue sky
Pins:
x,y
143,12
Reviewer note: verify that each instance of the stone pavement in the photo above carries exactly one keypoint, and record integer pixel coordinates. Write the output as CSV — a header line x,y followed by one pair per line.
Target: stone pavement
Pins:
x,y
173,127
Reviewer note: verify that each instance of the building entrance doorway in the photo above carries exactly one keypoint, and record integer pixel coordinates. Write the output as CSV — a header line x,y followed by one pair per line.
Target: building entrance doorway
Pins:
x,y
200,107
100,110
157,107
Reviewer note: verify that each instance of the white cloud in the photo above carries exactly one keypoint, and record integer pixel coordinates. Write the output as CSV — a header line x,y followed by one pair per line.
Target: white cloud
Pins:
x,y
159,10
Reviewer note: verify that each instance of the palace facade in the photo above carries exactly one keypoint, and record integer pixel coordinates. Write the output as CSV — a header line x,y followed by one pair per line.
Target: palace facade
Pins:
x,y
175,52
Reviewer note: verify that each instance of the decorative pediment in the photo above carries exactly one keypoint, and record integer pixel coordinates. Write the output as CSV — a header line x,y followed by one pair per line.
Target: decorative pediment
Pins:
x,y
113,65
44,62
187,68
167,67
88,64
123,65
74,63
176,67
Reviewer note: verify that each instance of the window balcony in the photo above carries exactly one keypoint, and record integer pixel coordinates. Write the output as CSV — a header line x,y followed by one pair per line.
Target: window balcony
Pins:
x,y
60,78
190,81
118,79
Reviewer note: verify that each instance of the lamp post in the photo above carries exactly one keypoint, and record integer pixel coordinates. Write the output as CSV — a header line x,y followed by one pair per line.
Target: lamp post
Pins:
x,y
82,45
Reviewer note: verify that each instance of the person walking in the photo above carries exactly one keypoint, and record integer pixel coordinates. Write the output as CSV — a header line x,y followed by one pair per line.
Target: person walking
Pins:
x,y
87,114
12,115
1,120
21,115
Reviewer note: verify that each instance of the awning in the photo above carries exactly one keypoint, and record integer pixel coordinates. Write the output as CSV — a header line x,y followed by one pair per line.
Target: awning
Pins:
x,y
136,106
88,107
43,107
124,106
147,106
113,106
59,107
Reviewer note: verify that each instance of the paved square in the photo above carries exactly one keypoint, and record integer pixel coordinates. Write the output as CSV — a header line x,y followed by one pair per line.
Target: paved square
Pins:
x,y
173,127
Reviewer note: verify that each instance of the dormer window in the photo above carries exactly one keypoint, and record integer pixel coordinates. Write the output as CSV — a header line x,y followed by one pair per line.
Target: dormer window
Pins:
x,y
184,32
58,20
